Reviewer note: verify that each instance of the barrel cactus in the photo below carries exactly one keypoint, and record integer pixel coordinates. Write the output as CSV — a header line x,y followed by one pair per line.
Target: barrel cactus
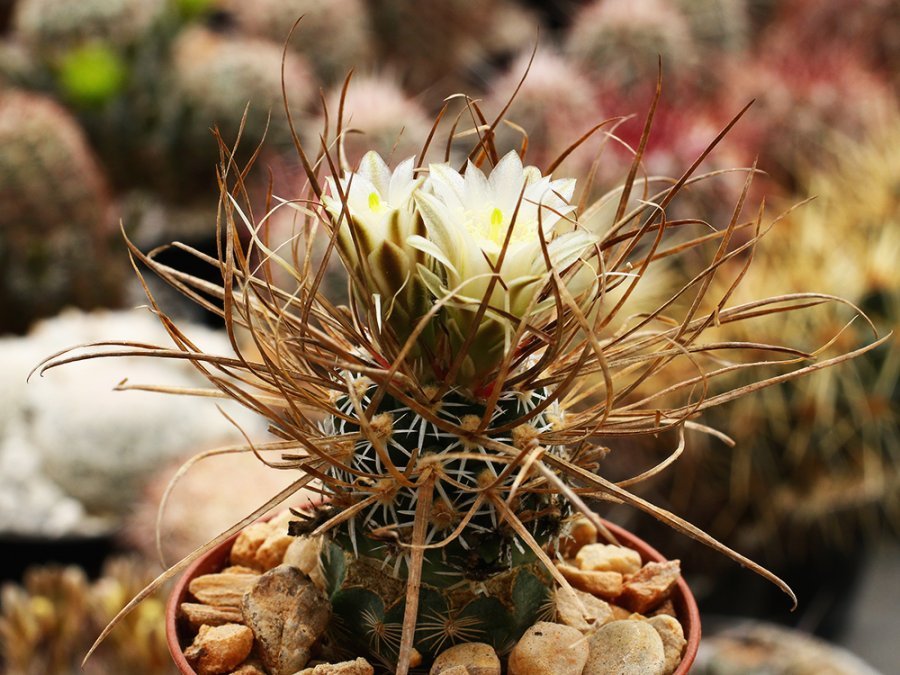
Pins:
x,y
334,36
54,227
459,409
623,40
55,26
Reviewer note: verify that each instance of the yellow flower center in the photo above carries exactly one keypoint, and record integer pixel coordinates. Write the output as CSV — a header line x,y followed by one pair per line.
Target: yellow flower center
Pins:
x,y
497,232
375,205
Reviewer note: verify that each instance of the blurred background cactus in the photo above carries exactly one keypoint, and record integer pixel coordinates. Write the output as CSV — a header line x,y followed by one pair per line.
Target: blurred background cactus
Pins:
x,y
55,225
49,621
334,36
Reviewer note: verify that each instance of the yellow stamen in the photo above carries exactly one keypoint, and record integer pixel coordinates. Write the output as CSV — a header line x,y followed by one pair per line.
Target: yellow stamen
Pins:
x,y
374,202
496,232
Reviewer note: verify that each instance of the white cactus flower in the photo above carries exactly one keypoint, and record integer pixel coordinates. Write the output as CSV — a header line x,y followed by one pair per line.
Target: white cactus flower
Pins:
x,y
380,217
469,218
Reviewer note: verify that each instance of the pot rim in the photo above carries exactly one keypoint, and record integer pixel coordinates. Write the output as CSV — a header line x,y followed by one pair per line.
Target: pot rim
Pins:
x,y
684,601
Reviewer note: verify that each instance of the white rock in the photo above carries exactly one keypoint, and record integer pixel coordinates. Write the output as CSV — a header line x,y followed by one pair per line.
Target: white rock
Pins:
x,y
626,648
608,558
549,649
478,658
672,635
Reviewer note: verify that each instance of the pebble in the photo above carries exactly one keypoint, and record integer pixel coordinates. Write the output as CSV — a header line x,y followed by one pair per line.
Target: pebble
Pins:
x,y
219,649
248,542
358,667
249,668
581,610
606,585
287,614
626,648
456,670
608,558
672,635
198,614
650,586
478,658
549,649
222,590
582,533
303,553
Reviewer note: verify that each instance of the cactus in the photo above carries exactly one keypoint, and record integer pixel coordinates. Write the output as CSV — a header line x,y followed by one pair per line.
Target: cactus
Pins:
x,y
334,36
447,43
800,102
717,24
826,452
55,26
213,79
458,410
555,104
622,41
392,123
54,229
47,622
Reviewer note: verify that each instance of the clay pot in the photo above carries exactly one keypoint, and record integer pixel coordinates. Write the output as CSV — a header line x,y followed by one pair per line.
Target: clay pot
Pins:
x,y
215,560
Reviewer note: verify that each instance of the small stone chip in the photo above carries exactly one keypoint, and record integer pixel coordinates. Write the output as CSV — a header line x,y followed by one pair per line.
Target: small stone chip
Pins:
x,y
549,649
249,668
287,614
198,614
358,667
219,649
608,558
477,658
582,533
625,648
271,553
303,553
222,590
582,611
672,635
243,552
650,586
606,585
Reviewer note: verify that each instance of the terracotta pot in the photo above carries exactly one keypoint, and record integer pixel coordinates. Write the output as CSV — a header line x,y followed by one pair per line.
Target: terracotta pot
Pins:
x,y
215,560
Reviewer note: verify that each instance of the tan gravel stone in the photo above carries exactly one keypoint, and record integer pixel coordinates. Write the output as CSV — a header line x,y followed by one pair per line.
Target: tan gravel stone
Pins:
x,y
221,590
477,657
581,534
606,585
358,667
580,610
303,553
672,635
249,668
625,648
271,553
456,670
247,544
239,569
288,614
198,614
650,586
219,649
549,649
608,558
